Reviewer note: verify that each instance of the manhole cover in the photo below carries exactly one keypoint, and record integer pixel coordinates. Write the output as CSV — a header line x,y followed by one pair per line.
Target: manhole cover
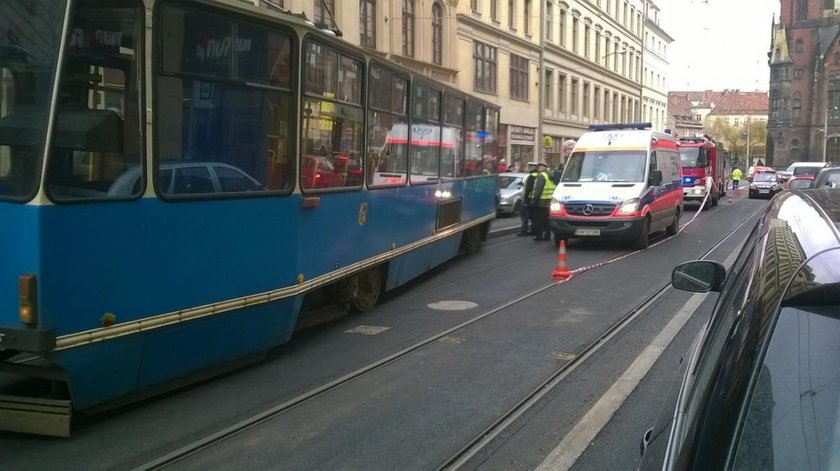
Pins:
x,y
367,330
452,305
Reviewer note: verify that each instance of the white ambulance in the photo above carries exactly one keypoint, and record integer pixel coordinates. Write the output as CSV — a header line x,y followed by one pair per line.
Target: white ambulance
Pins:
x,y
621,182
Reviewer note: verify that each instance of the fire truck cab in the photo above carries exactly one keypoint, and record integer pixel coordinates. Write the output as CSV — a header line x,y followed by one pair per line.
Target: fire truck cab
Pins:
x,y
703,170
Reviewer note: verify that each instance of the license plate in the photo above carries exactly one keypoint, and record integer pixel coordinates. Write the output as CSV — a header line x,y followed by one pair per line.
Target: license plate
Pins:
x,y
587,232
764,191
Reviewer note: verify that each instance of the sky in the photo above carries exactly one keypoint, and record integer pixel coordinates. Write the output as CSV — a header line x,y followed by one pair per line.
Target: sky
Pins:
x,y
718,44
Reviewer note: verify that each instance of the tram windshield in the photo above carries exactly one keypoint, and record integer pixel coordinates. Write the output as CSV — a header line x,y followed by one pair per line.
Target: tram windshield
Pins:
x,y
30,35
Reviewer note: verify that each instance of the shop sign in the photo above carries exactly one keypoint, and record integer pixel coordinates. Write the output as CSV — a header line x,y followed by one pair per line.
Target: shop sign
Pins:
x,y
520,133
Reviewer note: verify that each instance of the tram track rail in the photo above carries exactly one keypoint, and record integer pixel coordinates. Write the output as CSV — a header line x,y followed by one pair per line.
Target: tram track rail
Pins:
x,y
481,440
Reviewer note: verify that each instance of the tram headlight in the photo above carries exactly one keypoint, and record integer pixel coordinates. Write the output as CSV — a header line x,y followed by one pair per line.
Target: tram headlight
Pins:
x,y
26,300
630,206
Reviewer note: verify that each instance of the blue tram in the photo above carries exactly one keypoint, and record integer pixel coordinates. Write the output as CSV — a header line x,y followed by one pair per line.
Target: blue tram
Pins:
x,y
178,179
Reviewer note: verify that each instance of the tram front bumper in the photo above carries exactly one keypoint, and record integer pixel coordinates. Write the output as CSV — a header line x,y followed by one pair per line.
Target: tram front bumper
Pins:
x,y
26,340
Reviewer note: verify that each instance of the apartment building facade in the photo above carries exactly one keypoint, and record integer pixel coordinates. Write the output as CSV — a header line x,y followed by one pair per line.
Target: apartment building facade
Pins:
x,y
655,73
554,66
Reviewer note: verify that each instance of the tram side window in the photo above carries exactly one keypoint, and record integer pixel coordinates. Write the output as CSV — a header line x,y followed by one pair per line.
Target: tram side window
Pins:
x,y
452,151
224,106
491,142
387,147
333,120
30,36
98,130
426,139
474,153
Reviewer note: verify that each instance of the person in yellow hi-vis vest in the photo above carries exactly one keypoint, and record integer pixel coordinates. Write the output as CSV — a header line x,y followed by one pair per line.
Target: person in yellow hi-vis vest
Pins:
x,y
541,201
736,177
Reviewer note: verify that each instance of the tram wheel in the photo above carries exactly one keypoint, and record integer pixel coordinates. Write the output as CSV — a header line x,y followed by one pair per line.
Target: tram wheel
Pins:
x,y
369,288
471,241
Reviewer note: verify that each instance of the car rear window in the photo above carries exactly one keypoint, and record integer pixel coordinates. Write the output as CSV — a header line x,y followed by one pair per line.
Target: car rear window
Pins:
x,y
793,419
800,183
806,170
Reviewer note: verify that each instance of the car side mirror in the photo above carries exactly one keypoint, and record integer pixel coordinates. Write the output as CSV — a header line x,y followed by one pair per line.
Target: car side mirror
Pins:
x,y
699,276
655,178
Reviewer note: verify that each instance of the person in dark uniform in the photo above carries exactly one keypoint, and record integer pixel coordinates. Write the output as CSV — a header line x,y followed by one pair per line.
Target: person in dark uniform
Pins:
x,y
527,227
541,201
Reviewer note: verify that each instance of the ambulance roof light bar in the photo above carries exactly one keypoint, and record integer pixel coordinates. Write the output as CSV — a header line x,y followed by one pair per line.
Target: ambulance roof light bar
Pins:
x,y
619,126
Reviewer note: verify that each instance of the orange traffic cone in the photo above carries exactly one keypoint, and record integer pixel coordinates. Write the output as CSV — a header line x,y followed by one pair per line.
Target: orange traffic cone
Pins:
x,y
561,271
729,196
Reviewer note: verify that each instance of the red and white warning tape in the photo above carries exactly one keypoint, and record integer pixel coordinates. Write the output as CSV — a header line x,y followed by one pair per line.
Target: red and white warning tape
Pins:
x,y
622,257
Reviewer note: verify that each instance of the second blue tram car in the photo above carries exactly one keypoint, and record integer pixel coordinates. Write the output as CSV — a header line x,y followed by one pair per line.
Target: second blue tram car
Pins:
x,y
177,178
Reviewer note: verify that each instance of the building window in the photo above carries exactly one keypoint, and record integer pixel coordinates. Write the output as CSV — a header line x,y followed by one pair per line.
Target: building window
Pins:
x,y
408,28
596,96
474,5
321,15
549,26
562,23
518,77
586,41
606,57
574,97
585,99
527,17
834,99
484,61
832,150
437,34
802,9
367,25
737,121
574,34
597,47
615,55
796,106
561,93
799,45
549,89
511,11
494,10
624,15
632,19
615,108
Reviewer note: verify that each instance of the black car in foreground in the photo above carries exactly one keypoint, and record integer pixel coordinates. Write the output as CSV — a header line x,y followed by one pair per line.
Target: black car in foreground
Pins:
x,y
760,386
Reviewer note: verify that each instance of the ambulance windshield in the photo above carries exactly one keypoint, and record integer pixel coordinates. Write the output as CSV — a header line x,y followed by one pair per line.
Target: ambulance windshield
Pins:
x,y
605,166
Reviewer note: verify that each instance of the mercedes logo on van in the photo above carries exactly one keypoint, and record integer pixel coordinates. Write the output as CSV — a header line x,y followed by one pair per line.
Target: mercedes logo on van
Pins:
x,y
588,210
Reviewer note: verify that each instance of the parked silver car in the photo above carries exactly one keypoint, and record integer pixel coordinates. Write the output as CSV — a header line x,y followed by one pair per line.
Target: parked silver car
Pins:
x,y
510,197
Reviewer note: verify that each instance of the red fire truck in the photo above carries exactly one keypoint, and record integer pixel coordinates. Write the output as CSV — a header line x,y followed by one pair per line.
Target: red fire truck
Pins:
x,y
704,170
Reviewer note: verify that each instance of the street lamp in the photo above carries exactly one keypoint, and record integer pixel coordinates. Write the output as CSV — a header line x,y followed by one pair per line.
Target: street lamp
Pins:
x,y
825,130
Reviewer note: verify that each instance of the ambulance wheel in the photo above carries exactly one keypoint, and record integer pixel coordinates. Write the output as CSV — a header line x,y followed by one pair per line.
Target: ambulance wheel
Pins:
x,y
672,229
642,240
